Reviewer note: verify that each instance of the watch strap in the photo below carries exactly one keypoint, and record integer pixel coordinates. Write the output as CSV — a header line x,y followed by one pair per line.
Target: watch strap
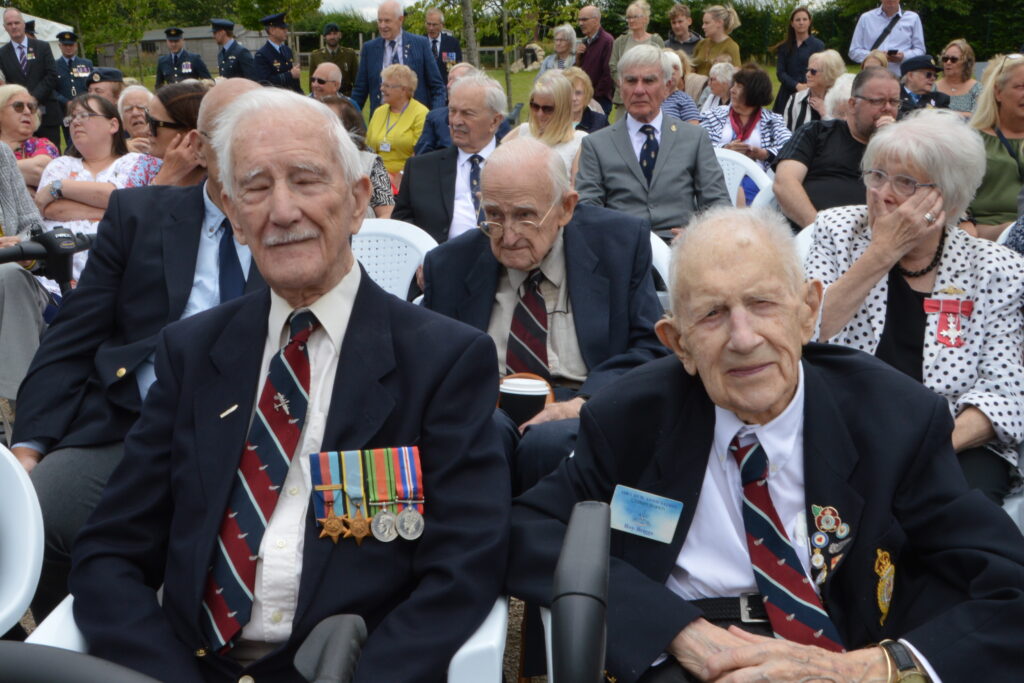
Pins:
x,y
903,661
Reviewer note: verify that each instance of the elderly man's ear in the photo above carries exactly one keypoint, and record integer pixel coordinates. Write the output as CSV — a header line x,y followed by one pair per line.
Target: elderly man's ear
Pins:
x,y
671,337
193,141
809,310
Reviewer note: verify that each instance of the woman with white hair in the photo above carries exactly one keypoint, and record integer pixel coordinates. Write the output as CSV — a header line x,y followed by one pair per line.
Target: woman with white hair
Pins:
x,y
716,92
823,68
904,283
678,103
564,55
837,100
638,16
133,106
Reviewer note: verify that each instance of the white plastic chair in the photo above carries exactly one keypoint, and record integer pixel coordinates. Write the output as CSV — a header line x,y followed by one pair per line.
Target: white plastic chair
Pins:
x,y
1004,234
804,240
661,255
21,540
479,660
391,251
735,166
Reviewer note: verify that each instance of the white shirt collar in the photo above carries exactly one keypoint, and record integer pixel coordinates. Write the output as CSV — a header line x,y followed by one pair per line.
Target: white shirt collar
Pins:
x,y
213,215
633,126
332,310
485,152
777,437
899,12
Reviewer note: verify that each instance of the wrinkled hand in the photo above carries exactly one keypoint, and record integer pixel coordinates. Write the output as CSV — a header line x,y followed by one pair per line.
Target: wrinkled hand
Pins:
x,y
180,159
28,457
895,230
772,659
562,410
580,48
139,145
695,644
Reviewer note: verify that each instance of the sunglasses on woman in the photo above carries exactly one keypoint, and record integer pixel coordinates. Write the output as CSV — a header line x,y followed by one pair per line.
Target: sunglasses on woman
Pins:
x,y
155,124
20,107
548,109
949,59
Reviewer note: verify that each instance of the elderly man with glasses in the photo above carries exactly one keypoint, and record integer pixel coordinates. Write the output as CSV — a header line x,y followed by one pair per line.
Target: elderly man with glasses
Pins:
x,y
918,85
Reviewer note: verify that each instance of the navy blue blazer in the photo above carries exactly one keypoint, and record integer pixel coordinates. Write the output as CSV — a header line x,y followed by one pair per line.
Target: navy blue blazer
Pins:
x,y
274,67
166,73
69,85
405,376
236,61
877,447
611,290
449,52
430,87
41,79
136,282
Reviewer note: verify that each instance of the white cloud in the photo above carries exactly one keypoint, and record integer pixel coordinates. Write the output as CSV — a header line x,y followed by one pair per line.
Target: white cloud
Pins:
x,y
368,8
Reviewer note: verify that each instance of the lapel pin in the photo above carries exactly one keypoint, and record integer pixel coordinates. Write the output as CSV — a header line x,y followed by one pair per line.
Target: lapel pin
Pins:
x,y
673,128
229,411
886,571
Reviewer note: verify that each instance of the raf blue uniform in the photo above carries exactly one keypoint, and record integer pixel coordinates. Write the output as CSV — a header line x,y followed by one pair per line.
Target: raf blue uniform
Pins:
x,y
233,59
274,63
183,66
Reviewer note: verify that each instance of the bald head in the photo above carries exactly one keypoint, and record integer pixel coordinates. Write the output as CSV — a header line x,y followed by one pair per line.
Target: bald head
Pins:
x,y
329,72
214,102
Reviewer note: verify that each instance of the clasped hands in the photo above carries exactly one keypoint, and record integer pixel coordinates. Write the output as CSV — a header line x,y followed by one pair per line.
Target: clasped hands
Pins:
x,y
732,655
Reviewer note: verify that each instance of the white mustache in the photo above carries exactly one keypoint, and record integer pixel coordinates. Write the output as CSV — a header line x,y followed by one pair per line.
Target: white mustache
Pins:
x,y
290,237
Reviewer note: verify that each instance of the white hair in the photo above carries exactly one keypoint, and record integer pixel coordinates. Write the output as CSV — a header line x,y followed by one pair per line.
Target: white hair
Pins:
x,y
494,94
257,106
838,94
722,72
929,139
644,55
722,224
672,59
519,153
569,32
131,89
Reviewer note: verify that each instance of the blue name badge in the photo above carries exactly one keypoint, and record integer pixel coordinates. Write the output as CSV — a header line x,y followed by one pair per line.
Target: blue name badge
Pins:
x,y
645,514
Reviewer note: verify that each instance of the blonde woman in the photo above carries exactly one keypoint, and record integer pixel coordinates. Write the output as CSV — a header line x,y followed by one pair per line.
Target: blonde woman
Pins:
x,y
585,117
823,68
719,22
638,15
958,77
551,118
397,123
999,117
875,58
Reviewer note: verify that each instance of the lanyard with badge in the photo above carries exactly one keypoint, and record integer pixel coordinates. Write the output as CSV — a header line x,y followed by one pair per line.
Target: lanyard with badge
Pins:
x,y
385,146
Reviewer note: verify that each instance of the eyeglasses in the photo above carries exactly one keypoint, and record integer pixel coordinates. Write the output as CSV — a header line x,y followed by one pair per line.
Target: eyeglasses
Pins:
x,y
497,228
879,101
20,107
81,117
901,184
813,72
323,81
929,74
1009,58
949,59
128,108
548,109
631,17
155,124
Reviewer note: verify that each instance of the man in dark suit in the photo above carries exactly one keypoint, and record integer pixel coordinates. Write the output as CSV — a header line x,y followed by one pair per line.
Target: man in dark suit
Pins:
x,y
444,47
647,164
361,369
591,269
437,194
179,64
826,483
157,259
29,62
233,59
918,78
395,46
346,59
72,74
274,61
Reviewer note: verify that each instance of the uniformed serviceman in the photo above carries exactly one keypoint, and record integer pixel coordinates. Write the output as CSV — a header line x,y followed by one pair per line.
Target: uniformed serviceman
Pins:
x,y
346,58
180,64
106,82
233,59
274,62
72,74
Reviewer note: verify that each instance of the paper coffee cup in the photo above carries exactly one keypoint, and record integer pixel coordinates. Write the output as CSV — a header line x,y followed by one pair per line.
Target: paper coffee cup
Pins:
x,y
522,398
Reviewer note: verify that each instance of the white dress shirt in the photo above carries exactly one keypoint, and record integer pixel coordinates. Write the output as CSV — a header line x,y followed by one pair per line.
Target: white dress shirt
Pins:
x,y
464,216
638,138
279,568
907,36
389,53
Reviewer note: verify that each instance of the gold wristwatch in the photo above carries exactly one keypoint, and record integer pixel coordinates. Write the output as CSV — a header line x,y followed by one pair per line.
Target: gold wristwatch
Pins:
x,y
904,666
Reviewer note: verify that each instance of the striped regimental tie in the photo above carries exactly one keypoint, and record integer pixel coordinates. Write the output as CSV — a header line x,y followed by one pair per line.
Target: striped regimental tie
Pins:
x,y
528,339
794,609
273,438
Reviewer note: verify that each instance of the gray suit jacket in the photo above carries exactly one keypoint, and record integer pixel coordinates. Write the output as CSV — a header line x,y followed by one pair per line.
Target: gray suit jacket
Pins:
x,y
687,176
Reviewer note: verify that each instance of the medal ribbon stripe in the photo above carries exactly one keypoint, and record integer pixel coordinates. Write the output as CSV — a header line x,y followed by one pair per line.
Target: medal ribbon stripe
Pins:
x,y
794,609
410,475
527,349
352,477
414,452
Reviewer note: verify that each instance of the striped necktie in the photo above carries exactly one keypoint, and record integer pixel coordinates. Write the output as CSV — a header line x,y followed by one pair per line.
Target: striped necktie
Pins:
x,y
273,438
474,185
23,59
394,53
527,349
794,609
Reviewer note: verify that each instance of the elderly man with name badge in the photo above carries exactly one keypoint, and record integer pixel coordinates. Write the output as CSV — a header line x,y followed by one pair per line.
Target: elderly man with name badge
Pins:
x,y
345,463
780,511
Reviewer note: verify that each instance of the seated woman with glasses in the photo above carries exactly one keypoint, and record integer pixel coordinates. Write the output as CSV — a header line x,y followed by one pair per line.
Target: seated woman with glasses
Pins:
x,y
397,123
823,68
173,145
19,117
133,105
904,283
551,119
74,189
958,77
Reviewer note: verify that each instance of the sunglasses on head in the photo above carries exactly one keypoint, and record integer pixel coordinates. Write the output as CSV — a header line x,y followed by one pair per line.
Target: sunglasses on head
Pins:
x,y
20,107
548,109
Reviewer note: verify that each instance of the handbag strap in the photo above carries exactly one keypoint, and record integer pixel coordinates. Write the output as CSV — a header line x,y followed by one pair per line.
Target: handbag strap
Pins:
x,y
888,29
1010,150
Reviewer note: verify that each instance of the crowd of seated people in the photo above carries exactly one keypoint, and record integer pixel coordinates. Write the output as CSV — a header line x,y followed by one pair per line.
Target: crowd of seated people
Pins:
x,y
225,417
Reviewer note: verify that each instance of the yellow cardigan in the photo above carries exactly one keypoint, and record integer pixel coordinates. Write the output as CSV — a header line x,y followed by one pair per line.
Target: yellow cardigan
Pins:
x,y
405,131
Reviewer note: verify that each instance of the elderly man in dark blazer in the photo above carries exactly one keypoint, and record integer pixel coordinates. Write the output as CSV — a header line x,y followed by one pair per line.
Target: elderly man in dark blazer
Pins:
x,y
395,46
796,490
29,62
647,164
231,488
444,47
592,269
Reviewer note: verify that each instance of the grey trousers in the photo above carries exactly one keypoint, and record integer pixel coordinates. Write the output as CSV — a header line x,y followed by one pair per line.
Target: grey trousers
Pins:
x,y
22,300
69,483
